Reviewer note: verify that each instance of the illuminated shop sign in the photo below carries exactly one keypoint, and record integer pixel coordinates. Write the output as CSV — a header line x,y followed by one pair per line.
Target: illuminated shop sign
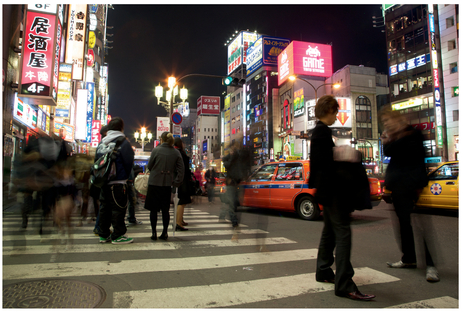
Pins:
x,y
344,117
75,43
39,72
45,8
299,103
208,105
64,131
90,104
205,146
63,102
304,58
264,51
407,104
237,50
81,114
410,64
24,113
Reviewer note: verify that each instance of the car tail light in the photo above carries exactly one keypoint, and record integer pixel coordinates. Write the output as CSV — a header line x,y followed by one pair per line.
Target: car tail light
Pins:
x,y
379,187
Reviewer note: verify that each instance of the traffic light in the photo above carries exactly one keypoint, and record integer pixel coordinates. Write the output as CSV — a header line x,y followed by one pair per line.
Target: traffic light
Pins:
x,y
233,81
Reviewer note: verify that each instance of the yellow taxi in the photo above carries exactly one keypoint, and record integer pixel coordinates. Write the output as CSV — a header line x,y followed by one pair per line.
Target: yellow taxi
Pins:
x,y
284,186
442,189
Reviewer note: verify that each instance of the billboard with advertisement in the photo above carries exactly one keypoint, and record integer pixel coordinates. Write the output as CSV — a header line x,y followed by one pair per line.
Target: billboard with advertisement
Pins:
x,y
24,113
75,43
63,101
299,103
343,119
208,105
264,51
305,58
81,114
90,103
39,72
237,50
162,126
65,131
96,136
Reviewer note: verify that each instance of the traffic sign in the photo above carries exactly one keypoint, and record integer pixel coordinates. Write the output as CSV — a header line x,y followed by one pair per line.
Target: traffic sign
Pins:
x,y
176,118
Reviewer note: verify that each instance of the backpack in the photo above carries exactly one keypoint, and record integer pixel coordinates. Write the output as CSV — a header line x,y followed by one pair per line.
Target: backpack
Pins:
x,y
104,168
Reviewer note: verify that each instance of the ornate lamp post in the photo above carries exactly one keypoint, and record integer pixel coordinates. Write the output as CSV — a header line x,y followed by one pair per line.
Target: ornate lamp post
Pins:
x,y
142,137
170,96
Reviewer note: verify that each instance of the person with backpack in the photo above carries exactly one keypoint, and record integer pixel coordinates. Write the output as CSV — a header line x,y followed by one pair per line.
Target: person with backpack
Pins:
x,y
114,190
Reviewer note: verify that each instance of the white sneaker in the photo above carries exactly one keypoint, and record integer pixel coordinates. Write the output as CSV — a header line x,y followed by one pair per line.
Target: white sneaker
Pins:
x,y
431,274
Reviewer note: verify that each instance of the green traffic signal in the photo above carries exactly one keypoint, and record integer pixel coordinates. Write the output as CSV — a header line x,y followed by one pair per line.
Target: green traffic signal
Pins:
x,y
227,80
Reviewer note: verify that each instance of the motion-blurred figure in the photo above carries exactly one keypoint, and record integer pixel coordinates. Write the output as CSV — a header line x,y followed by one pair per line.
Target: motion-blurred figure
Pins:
x,y
406,177
238,166
210,177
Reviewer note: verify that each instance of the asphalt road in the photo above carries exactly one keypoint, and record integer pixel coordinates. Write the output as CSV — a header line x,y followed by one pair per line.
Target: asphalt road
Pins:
x,y
271,265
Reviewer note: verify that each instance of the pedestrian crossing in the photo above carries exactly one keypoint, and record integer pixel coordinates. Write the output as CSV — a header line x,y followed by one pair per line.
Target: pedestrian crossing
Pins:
x,y
206,246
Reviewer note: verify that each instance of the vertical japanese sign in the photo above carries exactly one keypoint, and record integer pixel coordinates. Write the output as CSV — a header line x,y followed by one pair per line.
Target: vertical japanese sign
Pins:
x,y
96,137
90,100
435,71
75,43
237,50
81,114
226,122
37,71
63,102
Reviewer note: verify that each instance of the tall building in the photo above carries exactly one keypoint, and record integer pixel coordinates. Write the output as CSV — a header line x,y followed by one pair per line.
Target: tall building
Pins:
x,y
422,43
206,134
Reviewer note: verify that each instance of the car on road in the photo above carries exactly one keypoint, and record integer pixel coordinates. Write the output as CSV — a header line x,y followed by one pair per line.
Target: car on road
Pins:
x,y
441,191
284,186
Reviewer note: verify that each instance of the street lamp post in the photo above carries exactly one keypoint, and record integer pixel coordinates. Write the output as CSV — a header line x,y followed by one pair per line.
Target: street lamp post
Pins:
x,y
334,85
170,96
141,136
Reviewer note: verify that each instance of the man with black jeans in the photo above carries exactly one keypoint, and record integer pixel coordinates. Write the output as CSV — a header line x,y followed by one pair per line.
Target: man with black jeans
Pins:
x,y
114,194
336,232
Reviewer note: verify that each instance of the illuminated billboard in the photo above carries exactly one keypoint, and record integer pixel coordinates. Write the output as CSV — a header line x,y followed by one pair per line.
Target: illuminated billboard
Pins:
x,y
208,105
264,51
237,50
40,56
305,58
77,21
64,131
24,113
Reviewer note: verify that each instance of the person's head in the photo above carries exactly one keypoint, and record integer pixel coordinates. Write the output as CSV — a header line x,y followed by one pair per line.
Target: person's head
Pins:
x,y
326,109
62,132
178,143
167,137
103,131
392,121
116,123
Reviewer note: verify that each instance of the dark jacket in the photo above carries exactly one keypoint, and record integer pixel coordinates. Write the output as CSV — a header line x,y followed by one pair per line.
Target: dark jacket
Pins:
x,y
186,188
322,167
237,165
164,161
406,171
124,160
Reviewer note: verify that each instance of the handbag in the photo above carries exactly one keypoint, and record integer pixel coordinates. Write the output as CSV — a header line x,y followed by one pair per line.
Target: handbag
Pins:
x,y
141,183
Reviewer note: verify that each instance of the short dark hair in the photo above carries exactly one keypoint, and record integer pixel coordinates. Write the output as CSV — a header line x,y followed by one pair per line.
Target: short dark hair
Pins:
x,y
326,105
116,123
104,130
179,144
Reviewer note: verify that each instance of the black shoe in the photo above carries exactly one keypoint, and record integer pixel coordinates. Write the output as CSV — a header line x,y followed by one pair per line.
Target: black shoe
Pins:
x,y
357,295
163,236
154,238
178,227
331,281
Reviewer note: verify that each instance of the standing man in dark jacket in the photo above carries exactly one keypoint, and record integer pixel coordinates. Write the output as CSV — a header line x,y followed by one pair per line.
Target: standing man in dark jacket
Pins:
x,y
336,231
114,194
405,177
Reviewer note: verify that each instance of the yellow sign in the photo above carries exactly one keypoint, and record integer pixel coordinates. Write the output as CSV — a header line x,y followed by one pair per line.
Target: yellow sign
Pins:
x,y
91,39
292,158
407,104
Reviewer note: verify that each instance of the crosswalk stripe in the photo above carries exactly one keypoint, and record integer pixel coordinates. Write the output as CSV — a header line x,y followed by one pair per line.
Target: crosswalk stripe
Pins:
x,y
136,246
228,294
68,269
438,303
190,233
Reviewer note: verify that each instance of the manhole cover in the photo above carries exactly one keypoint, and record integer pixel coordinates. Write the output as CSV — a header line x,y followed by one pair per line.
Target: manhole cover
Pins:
x,y
53,294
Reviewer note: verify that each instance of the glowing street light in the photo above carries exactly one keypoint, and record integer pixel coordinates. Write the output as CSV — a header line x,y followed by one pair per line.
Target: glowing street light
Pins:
x,y
170,96
142,137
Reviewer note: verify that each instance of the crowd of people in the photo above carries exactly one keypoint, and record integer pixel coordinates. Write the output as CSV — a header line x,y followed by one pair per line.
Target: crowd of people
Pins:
x,y
48,177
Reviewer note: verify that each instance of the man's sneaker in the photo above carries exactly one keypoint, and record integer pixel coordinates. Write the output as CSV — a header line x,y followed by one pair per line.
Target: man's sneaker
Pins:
x,y
137,222
122,240
103,240
401,264
431,274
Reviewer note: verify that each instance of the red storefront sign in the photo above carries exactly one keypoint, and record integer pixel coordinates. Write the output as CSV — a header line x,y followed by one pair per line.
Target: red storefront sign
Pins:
x,y
208,105
96,137
39,71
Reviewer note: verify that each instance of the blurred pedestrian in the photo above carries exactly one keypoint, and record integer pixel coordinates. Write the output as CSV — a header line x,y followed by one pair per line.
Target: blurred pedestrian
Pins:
x,y
131,220
164,161
198,176
114,194
238,166
336,230
210,177
95,191
406,176
185,190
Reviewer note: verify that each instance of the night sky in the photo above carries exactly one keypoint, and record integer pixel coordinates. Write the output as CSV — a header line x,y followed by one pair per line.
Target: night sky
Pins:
x,y
153,42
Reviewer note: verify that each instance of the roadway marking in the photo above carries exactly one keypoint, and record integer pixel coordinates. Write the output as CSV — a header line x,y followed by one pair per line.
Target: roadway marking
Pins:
x,y
145,234
229,294
435,303
70,269
140,246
